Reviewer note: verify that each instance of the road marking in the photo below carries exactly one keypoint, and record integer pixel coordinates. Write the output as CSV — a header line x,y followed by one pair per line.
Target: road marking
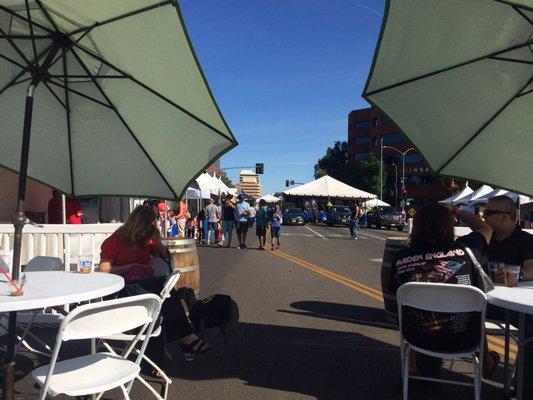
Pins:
x,y
494,343
297,234
316,233
378,260
373,236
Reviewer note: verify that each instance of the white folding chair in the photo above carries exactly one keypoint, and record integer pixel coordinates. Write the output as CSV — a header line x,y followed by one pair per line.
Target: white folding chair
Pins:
x,y
99,372
170,283
444,298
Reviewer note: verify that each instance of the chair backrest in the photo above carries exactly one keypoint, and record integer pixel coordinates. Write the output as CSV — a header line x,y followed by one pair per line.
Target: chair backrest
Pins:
x,y
109,317
441,297
171,282
44,263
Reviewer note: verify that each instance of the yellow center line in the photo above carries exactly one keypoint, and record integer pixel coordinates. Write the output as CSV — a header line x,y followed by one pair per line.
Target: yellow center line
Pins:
x,y
494,342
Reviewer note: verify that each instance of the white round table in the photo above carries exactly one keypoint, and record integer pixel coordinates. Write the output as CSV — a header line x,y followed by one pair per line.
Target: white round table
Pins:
x,y
56,288
520,300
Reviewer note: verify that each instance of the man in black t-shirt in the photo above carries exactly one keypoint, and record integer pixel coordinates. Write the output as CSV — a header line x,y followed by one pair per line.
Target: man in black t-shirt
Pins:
x,y
511,245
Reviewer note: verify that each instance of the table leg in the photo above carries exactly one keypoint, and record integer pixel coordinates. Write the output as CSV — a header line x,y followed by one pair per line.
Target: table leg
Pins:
x,y
8,384
520,361
506,377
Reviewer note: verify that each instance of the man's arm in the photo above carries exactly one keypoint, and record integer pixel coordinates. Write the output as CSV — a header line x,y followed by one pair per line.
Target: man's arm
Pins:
x,y
527,270
474,222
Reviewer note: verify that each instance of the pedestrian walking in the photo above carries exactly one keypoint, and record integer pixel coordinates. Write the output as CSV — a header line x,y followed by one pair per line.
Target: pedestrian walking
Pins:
x,y
213,216
242,211
182,219
261,224
275,227
228,220
354,220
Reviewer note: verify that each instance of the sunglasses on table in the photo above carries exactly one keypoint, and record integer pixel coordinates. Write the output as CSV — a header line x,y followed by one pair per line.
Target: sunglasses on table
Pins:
x,y
492,212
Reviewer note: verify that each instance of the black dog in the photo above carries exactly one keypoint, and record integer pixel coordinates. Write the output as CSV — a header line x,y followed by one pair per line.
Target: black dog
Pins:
x,y
218,310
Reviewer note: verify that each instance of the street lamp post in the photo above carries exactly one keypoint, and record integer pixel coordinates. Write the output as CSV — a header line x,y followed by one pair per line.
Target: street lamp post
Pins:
x,y
403,153
395,185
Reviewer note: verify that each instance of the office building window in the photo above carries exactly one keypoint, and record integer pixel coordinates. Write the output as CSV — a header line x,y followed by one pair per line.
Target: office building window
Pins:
x,y
362,140
412,158
360,156
393,138
364,124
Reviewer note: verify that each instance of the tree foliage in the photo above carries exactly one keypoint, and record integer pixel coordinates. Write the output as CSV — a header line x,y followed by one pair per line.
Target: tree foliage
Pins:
x,y
227,181
363,174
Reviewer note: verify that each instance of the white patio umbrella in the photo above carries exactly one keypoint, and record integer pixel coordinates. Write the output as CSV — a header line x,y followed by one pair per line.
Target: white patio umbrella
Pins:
x,y
456,77
103,98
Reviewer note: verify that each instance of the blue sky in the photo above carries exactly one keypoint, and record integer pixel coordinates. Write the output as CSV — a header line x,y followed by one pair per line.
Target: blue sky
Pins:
x,y
285,74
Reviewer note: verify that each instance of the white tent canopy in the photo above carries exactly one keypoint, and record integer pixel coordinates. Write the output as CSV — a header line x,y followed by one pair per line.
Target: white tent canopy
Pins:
x,y
502,192
193,193
205,182
329,187
476,194
458,197
269,198
375,203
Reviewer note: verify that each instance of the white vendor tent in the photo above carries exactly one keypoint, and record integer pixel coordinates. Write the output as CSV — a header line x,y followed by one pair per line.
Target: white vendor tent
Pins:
x,y
375,203
501,192
269,198
457,198
205,182
329,187
194,194
478,193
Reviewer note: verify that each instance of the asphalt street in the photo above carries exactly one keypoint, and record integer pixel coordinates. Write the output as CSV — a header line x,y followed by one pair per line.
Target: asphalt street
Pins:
x,y
312,320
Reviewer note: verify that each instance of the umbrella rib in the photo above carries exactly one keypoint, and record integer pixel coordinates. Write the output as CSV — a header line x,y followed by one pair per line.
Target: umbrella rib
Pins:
x,y
22,37
119,17
16,48
518,46
13,61
523,15
30,25
47,15
525,93
485,125
154,92
512,60
14,14
514,5
55,95
81,94
93,79
67,109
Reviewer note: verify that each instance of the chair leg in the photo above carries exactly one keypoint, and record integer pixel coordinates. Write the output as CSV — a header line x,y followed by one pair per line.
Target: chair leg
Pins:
x,y
125,392
406,372
477,377
150,388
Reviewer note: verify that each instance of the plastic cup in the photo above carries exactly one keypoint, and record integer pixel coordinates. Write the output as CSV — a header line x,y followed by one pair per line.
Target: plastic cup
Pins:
x,y
496,271
512,272
85,264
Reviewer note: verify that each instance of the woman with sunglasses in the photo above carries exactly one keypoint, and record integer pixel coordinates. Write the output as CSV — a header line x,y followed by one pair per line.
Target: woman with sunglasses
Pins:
x,y
433,255
127,252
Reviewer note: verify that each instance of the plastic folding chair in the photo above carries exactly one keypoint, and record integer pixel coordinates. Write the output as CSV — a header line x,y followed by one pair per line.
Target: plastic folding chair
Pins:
x,y
128,338
444,298
99,372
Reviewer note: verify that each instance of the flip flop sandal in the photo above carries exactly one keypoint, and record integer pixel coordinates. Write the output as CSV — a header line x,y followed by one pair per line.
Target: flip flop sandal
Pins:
x,y
196,346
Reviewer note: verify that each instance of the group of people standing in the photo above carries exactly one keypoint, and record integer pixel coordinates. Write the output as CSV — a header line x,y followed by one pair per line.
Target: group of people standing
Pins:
x,y
217,222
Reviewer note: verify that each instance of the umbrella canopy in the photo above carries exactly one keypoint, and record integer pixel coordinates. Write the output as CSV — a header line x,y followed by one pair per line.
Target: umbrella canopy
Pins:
x,y
458,197
375,203
121,104
329,187
458,83
269,198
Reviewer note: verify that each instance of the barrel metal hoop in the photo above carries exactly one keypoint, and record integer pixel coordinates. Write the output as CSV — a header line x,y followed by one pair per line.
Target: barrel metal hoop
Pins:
x,y
189,268
184,250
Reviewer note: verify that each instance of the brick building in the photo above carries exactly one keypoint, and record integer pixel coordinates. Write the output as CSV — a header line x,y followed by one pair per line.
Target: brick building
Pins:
x,y
366,127
249,183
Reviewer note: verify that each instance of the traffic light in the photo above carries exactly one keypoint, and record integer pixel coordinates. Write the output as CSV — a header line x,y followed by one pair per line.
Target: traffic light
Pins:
x,y
286,183
259,167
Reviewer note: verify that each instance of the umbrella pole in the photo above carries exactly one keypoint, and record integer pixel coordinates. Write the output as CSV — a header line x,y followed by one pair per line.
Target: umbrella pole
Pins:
x,y
19,220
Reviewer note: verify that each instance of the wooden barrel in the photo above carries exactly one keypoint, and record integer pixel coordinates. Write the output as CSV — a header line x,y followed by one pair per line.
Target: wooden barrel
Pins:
x,y
185,259
392,246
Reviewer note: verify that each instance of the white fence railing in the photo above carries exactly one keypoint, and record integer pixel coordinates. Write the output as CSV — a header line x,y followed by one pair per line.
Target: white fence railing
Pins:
x,y
64,241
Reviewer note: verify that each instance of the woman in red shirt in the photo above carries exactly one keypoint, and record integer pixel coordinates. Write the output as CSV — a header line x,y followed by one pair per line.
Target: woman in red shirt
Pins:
x,y
127,252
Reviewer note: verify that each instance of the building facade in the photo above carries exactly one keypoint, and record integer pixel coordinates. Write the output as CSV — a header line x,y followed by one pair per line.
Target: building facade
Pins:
x,y
366,128
249,183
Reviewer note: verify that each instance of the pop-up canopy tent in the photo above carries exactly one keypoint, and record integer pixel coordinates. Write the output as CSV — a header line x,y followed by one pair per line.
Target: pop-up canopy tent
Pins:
x,y
375,203
521,199
476,194
329,187
458,197
269,198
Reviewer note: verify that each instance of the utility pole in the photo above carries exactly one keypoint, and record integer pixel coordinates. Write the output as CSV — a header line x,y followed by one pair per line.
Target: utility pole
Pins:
x,y
402,153
381,170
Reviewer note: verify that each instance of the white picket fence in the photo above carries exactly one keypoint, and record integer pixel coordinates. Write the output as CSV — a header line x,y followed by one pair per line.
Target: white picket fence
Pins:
x,y
67,242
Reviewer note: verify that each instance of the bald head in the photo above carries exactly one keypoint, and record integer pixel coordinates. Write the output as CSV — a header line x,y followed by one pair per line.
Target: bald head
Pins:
x,y
503,203
500,214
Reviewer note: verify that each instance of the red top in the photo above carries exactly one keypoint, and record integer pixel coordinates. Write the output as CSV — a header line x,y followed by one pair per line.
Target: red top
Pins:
x,y
114,250
74,211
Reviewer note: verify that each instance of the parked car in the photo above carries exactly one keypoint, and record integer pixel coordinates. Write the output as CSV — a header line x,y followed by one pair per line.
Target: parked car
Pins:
x,y
389,217
293,216
338,215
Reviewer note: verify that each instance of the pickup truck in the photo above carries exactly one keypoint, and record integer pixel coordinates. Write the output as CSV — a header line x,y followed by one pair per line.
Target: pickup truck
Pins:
x,y
389,217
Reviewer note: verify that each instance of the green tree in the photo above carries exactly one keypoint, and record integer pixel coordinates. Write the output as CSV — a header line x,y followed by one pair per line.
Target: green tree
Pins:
x,y
362,174
227,181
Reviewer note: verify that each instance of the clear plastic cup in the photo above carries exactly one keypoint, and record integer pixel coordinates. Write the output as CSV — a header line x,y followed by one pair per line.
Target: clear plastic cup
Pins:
x,y
512,272
85,264
496,271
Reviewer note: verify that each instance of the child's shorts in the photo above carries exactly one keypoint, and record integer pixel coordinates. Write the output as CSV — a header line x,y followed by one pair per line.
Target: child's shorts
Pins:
x,y
275,231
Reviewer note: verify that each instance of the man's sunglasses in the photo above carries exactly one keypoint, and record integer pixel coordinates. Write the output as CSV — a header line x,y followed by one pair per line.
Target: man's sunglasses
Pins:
x,y
492,212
